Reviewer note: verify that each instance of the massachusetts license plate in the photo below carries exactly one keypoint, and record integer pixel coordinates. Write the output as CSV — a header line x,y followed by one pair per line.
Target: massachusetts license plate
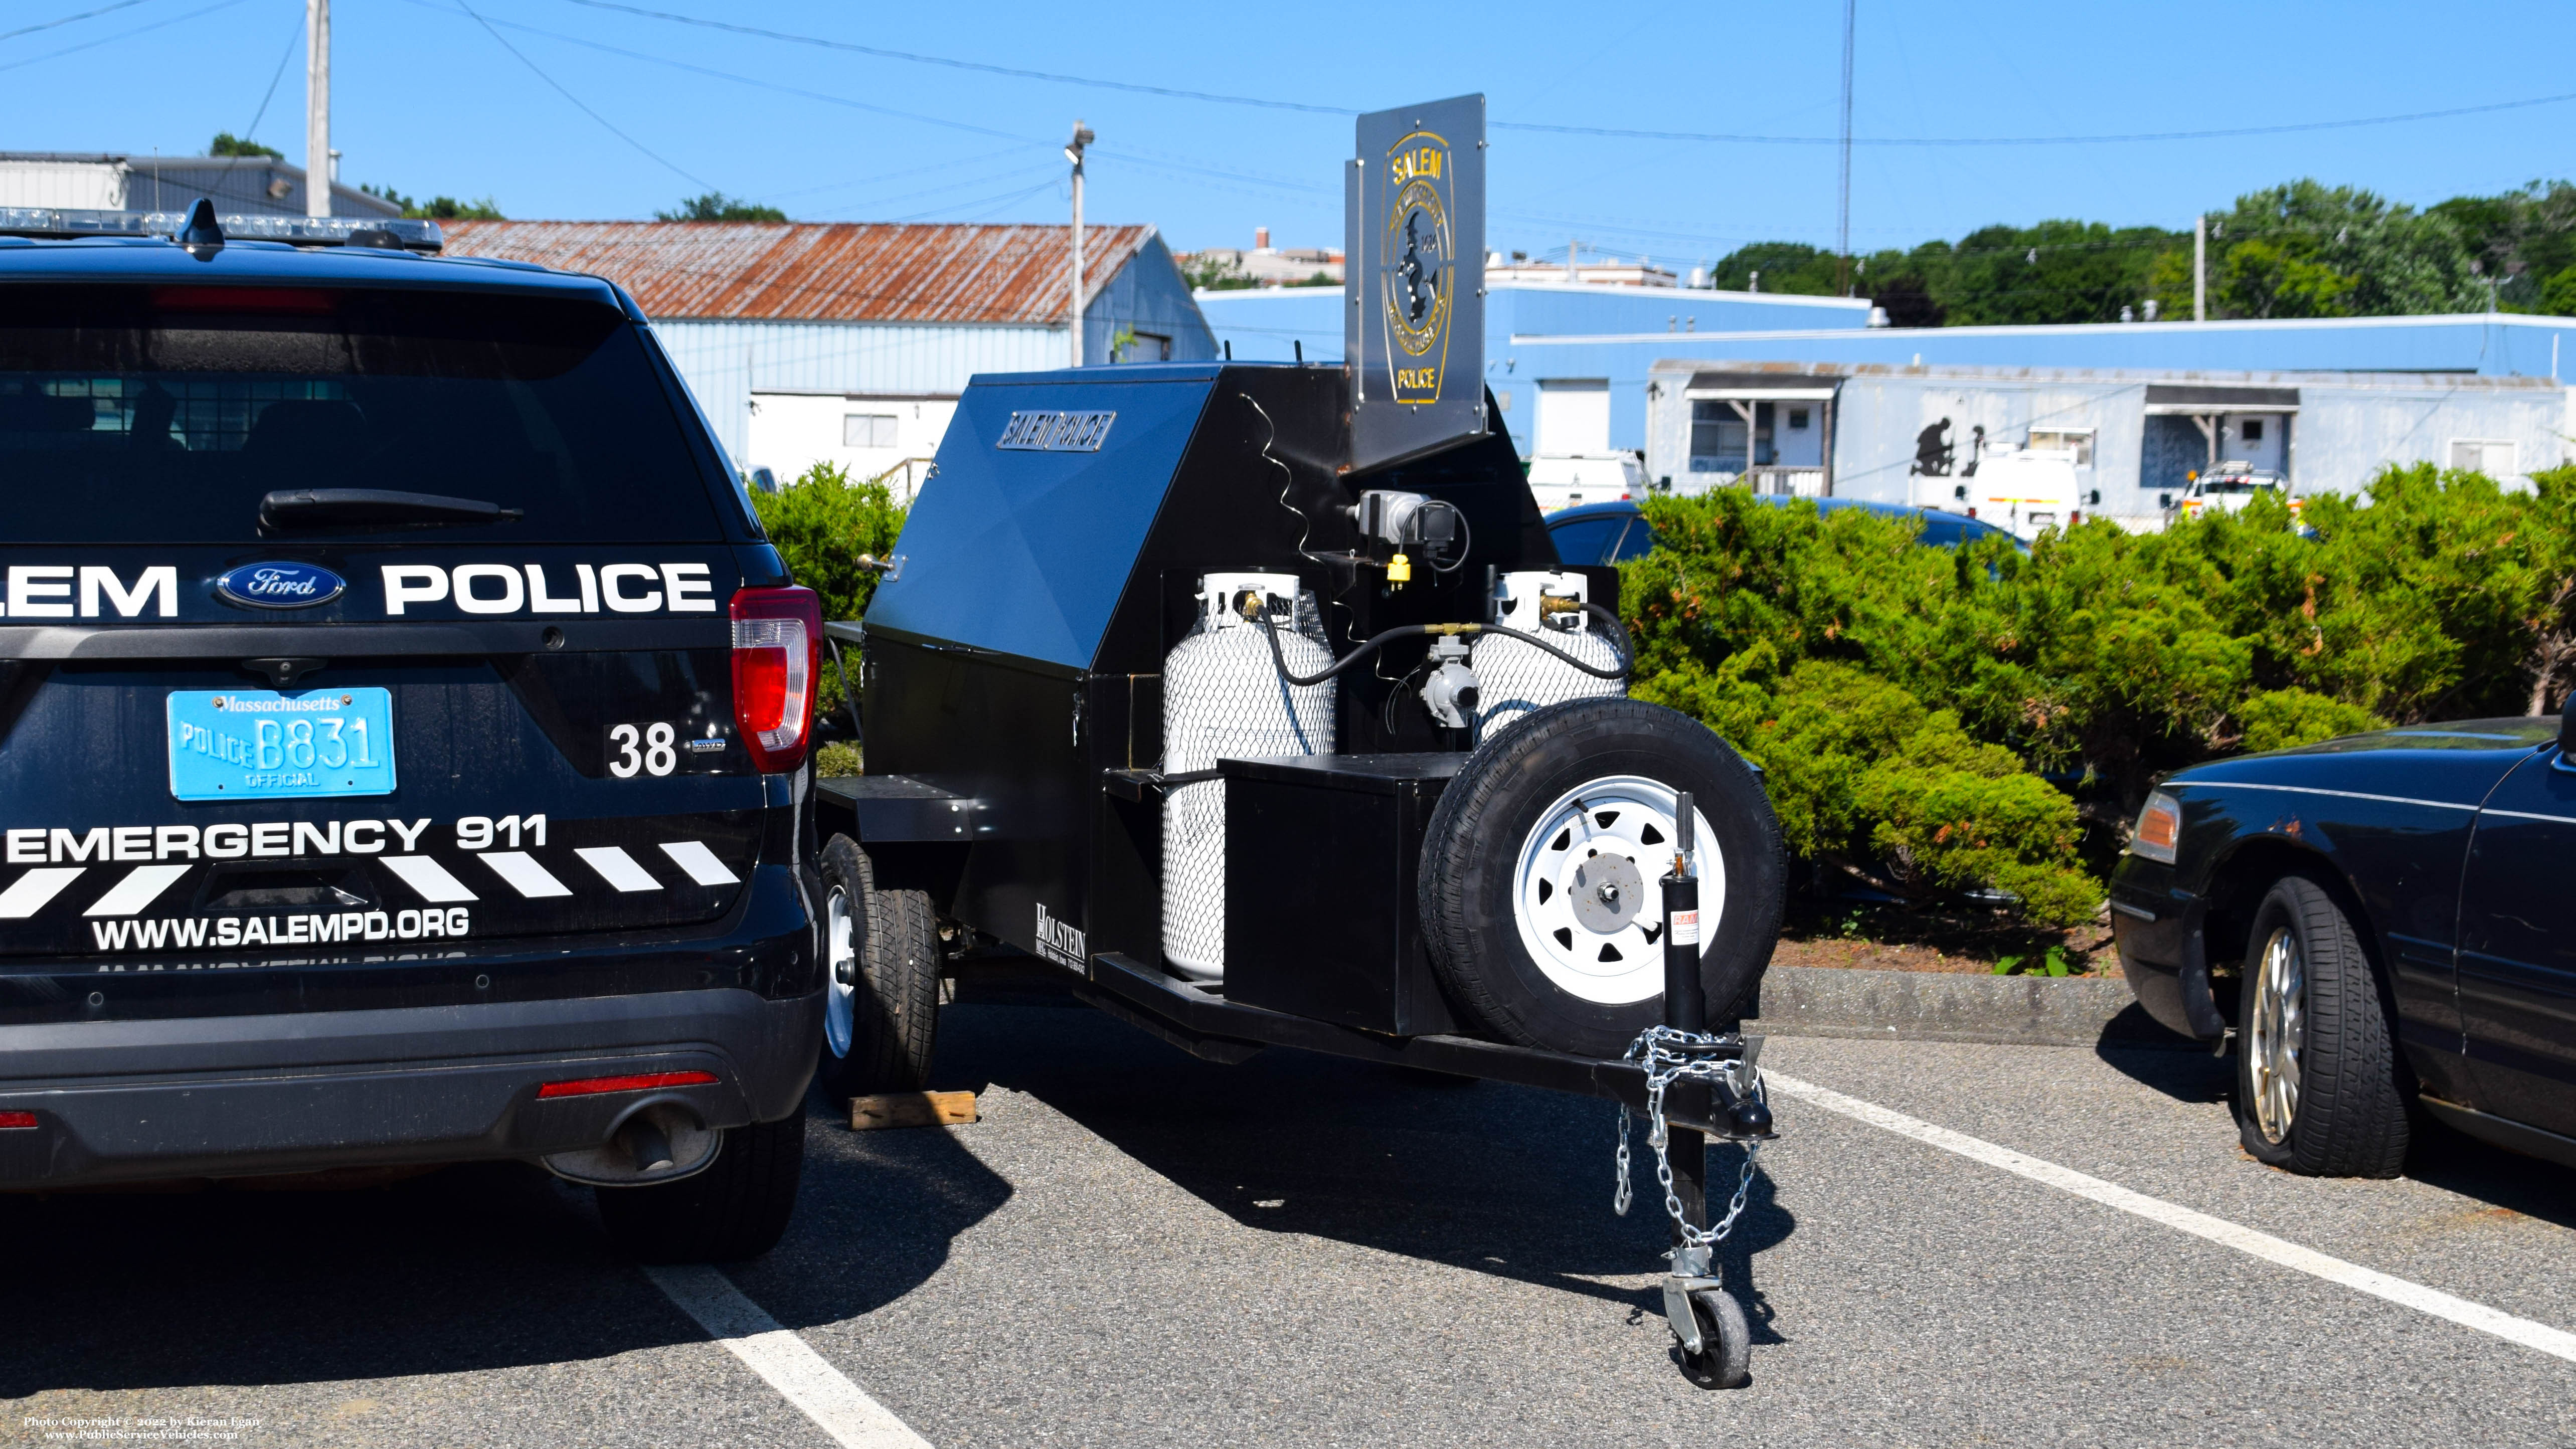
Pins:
x,y
260,744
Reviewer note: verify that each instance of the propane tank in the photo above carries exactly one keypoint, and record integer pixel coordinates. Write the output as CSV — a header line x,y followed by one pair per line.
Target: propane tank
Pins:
x,y
1223,699
1514,678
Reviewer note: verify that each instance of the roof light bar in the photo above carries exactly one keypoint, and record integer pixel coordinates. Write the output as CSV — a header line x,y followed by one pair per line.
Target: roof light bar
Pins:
x,y
639,1082
67,223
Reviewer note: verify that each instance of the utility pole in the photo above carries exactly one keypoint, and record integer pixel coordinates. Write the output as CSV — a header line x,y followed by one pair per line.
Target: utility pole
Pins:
x,y
2200,267
317,107
1842,230
1073,149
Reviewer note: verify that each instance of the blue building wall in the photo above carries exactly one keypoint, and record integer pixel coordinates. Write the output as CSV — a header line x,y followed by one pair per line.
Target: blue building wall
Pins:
x,y
1617,334
1272,325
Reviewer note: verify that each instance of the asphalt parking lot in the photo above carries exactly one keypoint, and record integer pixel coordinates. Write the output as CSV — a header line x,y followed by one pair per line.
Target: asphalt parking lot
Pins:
x,y
1134,1247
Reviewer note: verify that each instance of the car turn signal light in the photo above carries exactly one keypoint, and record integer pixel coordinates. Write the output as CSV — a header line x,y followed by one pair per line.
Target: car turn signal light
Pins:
x,y
2159,828
777,656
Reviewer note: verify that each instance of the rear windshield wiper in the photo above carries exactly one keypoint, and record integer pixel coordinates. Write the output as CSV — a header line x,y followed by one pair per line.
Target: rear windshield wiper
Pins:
x,y
289,508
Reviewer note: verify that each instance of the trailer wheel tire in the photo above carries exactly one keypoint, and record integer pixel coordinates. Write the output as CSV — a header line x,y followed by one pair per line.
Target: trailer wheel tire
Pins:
x,y
737,1207
1725,1359
881,1003
1538,887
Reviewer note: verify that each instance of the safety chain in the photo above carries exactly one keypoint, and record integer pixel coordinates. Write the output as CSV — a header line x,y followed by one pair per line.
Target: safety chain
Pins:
x,y
1655,1050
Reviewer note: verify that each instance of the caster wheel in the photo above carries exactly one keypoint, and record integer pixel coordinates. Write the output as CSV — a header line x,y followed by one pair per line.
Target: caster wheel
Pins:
x,y
1726,1362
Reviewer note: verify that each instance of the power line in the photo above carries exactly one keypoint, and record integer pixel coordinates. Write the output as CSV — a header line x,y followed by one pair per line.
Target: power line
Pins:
x,y
1622,133
752,81
68,19
648,151
293,38
887,175
952,63
120,35
1951,141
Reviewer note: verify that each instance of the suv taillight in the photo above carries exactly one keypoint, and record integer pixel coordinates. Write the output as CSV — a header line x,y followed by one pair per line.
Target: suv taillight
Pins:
x,y
777,653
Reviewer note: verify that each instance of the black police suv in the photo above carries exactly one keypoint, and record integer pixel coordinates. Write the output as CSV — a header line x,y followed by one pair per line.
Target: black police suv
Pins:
x,y
403,730
2378,925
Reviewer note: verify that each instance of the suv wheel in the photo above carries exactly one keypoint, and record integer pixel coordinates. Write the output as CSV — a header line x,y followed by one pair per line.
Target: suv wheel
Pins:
x,y
2317,1088
881,1007
736,1208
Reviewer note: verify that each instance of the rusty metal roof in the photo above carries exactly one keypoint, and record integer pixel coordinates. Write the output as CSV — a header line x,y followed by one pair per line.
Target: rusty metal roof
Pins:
x,y
818,271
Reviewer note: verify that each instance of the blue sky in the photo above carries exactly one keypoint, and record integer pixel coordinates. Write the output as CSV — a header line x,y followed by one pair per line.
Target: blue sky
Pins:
x,y
428,100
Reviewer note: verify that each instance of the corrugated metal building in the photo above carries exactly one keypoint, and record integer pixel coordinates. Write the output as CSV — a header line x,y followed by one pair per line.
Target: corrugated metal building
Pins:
x,y
239,185
849,342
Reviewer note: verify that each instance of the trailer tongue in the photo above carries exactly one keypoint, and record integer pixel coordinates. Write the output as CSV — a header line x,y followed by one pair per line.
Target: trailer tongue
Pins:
x,y
1256,698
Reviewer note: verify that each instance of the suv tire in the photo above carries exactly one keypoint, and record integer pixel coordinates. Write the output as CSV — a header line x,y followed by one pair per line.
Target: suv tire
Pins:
x,y
736,1208
1518,933
2317,1074
881,949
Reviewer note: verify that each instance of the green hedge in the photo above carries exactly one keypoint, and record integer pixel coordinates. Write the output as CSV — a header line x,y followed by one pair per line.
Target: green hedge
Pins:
x,y
1941,721
820,525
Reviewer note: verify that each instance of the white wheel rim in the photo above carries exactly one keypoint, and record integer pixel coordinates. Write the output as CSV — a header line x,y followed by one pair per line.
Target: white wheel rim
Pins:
x,y
2276,1032
1603,953
841,986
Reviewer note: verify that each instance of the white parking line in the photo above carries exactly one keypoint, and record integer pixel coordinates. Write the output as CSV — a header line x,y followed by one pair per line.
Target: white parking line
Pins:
x,y
841,1408
2556,1342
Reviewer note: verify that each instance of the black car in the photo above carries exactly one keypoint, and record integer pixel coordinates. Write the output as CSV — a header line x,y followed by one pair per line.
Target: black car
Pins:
x,y
403,727
2371,923
1614,532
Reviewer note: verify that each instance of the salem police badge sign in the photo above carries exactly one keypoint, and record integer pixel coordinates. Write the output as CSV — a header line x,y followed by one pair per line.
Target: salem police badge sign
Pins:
x,y
1413,288
1417,275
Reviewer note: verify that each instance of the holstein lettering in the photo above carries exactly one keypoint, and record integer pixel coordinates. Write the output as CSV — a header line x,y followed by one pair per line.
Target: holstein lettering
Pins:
x,y
1060,942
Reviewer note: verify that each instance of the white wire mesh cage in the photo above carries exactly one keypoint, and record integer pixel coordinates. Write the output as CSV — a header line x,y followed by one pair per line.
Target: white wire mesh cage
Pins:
x,y
1513,677
1223,698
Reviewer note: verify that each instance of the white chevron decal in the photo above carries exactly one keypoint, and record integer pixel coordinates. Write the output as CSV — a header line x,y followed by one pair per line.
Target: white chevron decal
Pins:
x,y
429,878
141,887
618,868
28,893
521,870
700,862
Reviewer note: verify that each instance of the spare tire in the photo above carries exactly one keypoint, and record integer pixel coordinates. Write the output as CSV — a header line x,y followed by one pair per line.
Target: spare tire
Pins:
x,y
1538,890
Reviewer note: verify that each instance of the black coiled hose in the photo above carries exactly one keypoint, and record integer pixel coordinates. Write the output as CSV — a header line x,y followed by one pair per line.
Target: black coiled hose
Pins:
x,y
1382,638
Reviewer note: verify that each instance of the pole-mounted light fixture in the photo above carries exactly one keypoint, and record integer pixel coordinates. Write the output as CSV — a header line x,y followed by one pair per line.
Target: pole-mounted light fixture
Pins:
x,y
1082,138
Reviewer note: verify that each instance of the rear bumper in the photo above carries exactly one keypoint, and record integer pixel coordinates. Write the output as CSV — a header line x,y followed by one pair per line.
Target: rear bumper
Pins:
x,y
243,1095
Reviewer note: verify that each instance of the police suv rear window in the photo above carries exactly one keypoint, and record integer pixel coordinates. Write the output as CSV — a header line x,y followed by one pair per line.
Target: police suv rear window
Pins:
x,y
164,414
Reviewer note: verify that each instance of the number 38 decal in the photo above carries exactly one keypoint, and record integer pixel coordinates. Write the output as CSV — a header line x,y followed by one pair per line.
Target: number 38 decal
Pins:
x,y
642,749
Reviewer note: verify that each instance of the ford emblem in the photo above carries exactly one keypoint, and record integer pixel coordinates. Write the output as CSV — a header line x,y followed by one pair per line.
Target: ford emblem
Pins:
x,y
280,585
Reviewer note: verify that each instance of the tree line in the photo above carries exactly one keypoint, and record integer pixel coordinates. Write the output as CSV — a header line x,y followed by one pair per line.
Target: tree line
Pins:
x,y
2303,249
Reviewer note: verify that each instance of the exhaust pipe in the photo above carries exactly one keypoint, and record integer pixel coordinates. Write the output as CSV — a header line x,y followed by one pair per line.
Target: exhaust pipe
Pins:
x,y
647,1145
655,1141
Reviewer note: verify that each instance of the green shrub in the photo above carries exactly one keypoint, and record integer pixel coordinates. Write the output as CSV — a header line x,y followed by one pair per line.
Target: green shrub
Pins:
x,y
820,524
1943,720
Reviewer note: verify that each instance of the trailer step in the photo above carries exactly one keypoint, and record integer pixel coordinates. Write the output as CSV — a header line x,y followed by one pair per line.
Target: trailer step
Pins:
x,y
901,808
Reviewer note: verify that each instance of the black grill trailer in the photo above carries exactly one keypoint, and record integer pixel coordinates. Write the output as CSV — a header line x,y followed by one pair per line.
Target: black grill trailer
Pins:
x,y
1124,585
